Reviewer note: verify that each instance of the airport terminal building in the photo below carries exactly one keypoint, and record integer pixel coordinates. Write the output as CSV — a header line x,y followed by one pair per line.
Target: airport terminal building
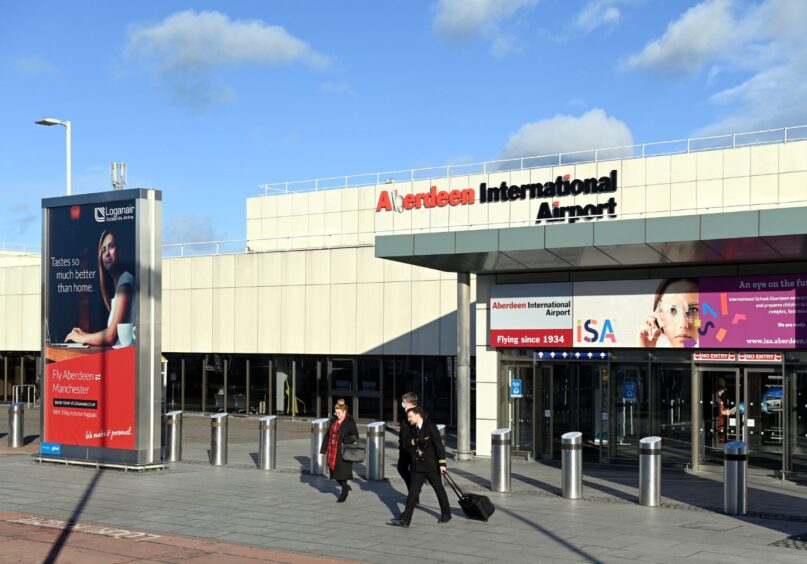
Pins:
x,y
658,289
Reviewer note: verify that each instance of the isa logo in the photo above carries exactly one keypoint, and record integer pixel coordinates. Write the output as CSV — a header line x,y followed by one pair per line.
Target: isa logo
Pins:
x,y
595,331
50,448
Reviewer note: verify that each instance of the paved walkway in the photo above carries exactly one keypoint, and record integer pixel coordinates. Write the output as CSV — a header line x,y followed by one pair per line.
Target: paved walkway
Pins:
x,y
290,511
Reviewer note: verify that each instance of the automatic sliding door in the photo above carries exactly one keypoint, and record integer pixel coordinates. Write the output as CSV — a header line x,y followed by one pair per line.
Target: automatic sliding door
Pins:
x,y
764,417
797,407
720,393
522,408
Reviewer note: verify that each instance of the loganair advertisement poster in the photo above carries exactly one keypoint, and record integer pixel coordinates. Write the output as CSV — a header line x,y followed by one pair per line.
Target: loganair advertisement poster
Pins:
x,y
741,312
90,326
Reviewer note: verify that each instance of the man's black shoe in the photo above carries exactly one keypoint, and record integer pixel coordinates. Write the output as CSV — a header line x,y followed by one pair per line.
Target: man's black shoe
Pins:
x,y
444,519
399,523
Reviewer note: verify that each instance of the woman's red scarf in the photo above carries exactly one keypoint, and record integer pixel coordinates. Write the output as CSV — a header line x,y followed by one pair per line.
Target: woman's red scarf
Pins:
x,y
333,441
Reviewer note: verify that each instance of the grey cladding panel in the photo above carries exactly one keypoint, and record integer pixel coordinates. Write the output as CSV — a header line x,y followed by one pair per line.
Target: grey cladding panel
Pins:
x,y
394,246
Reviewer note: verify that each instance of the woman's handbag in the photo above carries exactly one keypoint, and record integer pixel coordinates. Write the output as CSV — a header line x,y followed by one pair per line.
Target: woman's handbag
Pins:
x,y
353,452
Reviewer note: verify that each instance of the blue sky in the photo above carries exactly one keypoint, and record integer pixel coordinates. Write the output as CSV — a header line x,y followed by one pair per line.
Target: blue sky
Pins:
x,y
207,100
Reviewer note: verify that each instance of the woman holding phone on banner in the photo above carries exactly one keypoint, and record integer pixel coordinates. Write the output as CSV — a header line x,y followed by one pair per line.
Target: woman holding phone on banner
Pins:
x,y
675,318
118,292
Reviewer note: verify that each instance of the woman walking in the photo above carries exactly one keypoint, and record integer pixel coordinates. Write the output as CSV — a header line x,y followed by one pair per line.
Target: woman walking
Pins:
x,y
341,430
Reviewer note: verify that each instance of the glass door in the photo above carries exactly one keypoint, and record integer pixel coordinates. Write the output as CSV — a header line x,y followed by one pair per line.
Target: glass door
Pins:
x,y
797,433
573,398
720,412
522,408
763,423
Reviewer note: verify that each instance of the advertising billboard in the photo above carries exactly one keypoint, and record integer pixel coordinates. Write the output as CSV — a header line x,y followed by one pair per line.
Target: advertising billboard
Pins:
x,y
741,312
100,282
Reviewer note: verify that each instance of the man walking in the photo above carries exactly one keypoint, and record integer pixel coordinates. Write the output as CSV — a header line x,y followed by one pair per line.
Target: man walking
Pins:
x,y
428,464
405,450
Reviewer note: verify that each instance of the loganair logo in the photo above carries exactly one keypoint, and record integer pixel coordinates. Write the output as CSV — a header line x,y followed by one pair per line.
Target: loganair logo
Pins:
x,y
591,331
106,214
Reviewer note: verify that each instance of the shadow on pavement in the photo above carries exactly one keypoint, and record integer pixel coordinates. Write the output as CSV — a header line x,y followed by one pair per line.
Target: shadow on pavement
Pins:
x,y
29,439
73,520
549,534
549,488
254,457
386,494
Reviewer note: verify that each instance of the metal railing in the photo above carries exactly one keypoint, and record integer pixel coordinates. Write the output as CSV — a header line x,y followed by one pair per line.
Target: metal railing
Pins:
x,y
27,390
658,148
19,248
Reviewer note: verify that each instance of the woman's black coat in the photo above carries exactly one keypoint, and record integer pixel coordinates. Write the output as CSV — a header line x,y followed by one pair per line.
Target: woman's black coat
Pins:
x,y
348,433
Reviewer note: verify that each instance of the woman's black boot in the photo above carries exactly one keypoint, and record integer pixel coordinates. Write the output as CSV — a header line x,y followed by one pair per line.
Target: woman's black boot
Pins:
x,y
343,496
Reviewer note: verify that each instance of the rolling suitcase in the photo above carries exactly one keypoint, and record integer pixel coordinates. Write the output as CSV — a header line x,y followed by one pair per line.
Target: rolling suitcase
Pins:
x,y
476,507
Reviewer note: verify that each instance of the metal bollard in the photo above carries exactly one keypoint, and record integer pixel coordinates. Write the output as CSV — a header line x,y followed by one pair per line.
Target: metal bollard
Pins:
x,y
650,471
375,450
442,429
218,439
571,445
318,461
173,436
267,446
735,474
500,460
16,424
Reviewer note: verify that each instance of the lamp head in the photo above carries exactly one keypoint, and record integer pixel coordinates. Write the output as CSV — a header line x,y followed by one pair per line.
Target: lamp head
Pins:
x,y
49,121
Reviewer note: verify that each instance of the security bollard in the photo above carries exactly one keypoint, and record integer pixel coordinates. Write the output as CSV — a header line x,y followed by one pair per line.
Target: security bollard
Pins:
x,y
735,483
218,439
267,447
375,450
442,430
500,460
16,424
173,436
318,461
650,471
571,445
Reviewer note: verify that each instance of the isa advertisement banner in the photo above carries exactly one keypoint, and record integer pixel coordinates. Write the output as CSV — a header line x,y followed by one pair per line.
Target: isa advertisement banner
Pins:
x,y
89,328
743,312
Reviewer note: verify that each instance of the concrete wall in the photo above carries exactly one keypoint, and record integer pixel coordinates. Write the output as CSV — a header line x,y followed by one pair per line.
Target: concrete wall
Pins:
x,y
743,178
330,301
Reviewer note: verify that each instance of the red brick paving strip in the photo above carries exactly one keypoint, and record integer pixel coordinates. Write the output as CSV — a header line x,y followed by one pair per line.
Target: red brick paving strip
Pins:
x,y
91,543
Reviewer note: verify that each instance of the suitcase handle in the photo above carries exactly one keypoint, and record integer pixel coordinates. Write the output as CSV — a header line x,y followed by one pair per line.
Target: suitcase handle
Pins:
x,y
453,485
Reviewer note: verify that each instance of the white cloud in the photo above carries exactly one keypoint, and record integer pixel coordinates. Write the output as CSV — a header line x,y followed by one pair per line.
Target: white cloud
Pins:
x,y
190,228
463,20
33,65
339,87
463,17
563,133
186,49
597,13
766,44
704,31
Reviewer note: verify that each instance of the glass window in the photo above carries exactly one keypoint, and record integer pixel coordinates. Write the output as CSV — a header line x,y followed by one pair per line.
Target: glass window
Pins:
x,y
307,386
173,384
282,385
214,393
194,377
260,386
236,384
673,410
438,387
632,390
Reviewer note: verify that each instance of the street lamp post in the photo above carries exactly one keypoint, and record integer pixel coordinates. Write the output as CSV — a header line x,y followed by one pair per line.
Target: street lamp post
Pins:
x,y
66,124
